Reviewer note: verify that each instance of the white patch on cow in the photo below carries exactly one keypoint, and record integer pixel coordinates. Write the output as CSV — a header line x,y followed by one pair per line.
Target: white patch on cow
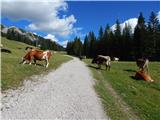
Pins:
x,y
24,62
45,55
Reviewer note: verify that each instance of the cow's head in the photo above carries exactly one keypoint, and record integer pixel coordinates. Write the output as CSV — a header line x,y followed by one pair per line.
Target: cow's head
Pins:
x,y
94,60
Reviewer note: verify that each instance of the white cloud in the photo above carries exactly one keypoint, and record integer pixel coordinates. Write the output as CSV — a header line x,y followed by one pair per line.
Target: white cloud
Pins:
x,y
132,22
63,43
43,15
35,33
52,37
158,16
78,33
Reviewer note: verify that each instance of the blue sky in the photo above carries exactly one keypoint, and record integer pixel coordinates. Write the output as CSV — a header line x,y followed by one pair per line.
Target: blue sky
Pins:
x,y
74,18
91,15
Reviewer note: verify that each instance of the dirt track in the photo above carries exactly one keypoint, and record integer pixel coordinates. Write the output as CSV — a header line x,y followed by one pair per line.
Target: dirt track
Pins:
x,y
66,93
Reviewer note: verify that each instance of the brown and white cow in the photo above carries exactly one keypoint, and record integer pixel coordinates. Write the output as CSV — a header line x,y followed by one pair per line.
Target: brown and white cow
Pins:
x,y
102,60
142,63
35,54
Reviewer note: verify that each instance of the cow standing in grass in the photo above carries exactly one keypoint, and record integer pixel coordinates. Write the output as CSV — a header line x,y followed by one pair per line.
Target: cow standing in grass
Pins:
x,y
35,54
142,63
102,60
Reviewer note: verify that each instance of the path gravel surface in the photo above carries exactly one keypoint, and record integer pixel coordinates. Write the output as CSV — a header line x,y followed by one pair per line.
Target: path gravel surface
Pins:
x,y
66,93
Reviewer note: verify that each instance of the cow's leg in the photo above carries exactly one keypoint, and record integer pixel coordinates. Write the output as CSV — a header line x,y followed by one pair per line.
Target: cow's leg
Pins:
x,y
106,67
109,67
24,62
34,62
30,60
146,69
47,63
109,64
99,66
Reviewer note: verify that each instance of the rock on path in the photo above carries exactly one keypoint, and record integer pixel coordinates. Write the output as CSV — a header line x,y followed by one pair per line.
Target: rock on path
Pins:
x,y
66,93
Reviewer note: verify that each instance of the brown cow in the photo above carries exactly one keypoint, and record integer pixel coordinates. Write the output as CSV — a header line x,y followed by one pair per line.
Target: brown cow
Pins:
x,y
35,54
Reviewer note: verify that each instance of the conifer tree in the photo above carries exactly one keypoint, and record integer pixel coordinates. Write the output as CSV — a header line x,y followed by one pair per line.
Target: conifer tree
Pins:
x,y
140,37
152,36
85,46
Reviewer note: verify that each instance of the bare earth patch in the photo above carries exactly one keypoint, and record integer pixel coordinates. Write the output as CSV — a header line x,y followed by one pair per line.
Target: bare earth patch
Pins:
x,y
66,93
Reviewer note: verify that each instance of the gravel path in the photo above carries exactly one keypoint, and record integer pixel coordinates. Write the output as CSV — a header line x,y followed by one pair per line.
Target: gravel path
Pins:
x,y
66,93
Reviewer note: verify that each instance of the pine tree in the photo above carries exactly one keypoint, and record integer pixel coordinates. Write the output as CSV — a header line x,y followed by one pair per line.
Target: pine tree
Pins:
x,y
85,46
117,31
100,42
77,47
111,49
117,40
127,43
106,39
92,44
140,37
153,37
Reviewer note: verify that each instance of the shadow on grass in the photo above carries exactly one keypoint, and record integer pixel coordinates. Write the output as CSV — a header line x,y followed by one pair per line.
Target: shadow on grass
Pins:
x,y
91,66
37,64
132,71
134,78
97,68
129,70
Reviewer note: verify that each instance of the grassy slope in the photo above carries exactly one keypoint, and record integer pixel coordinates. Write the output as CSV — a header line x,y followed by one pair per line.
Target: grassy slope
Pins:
x,y
141,96
13,72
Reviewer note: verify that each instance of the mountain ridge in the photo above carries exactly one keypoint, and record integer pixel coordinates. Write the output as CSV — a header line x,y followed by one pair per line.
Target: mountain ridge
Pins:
x,y
18,34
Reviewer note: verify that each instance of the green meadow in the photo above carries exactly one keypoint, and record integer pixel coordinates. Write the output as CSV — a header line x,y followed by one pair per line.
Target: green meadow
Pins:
x,y
13,73
142,97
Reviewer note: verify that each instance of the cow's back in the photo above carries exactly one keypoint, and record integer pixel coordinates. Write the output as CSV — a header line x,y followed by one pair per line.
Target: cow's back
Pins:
x,y
37,54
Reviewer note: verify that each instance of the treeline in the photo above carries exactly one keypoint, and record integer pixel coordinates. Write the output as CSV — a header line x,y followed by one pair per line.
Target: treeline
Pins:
x,y
122,43
21,35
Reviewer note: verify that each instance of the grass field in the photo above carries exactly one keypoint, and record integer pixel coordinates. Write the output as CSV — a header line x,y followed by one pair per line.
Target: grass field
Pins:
x,y
142,97
12,73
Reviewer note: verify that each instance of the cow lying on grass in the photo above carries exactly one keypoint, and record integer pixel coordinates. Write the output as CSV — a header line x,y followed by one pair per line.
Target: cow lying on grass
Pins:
x,y
102,60
35,54
143,72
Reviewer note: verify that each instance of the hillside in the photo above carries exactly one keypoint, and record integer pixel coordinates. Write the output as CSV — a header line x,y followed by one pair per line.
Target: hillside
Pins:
x,y
13,72
18,34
